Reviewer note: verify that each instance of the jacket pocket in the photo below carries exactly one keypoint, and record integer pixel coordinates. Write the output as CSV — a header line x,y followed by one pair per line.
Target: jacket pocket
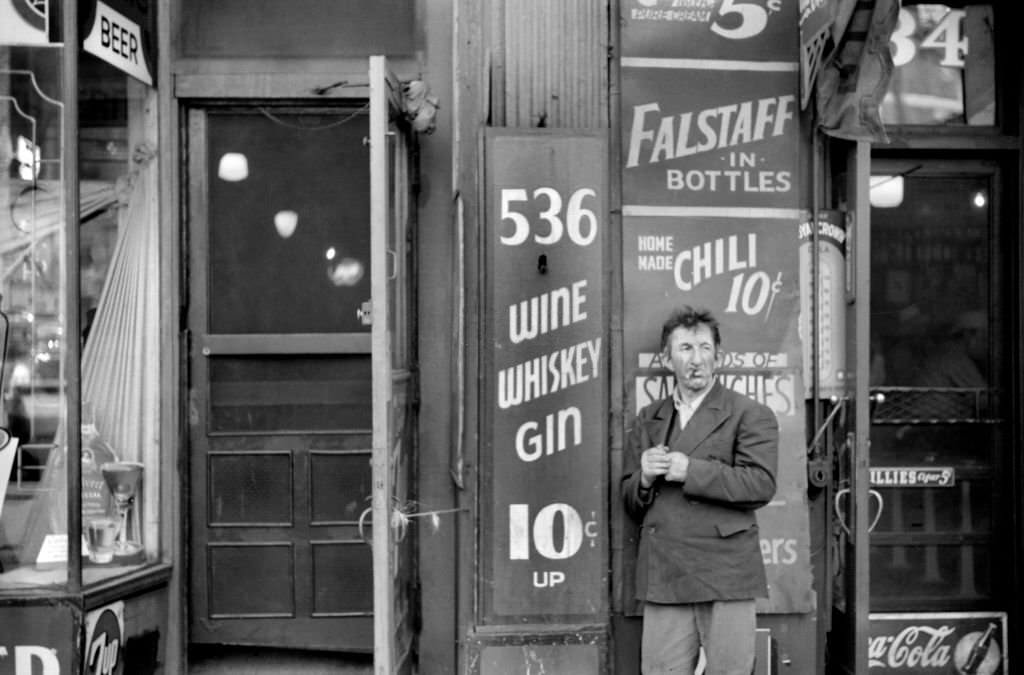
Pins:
x,y
733,526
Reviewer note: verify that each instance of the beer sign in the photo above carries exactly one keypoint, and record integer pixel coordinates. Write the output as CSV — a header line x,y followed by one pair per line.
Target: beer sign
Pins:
x,y
122,38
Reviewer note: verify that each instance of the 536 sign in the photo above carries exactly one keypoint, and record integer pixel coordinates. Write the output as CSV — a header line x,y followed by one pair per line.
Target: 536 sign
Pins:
x,y
577,222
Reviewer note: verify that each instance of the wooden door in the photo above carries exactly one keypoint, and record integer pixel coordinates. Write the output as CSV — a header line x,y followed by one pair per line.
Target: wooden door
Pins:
x,y
280,378
393,373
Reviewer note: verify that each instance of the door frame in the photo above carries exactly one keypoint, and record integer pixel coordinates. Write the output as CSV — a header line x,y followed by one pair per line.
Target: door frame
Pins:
x,y
394,385
846,509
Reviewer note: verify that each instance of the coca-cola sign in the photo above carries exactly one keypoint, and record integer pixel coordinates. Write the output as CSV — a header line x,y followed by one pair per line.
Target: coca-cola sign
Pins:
x,y
966,643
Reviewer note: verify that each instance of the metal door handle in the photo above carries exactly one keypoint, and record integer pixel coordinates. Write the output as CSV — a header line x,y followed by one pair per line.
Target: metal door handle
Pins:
x,y
839,509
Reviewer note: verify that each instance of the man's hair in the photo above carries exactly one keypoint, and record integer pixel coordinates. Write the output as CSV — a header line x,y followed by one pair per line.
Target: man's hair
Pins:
x,y
690,318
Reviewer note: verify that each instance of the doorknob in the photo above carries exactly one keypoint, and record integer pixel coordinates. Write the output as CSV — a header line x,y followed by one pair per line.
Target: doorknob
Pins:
x,y
365,313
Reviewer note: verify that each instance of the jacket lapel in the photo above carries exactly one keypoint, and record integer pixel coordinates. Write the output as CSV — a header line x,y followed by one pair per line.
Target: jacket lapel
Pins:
x,y
713,411
658,424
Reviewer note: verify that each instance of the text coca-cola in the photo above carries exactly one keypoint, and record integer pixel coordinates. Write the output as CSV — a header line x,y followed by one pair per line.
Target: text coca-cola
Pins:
x,y
914,646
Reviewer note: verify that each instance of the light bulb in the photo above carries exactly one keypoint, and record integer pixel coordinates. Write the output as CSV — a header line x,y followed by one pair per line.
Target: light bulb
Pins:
x,y
285,223
886,192
233,167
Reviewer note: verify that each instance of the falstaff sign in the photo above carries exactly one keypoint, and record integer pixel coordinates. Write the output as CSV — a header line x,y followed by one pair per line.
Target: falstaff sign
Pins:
x,y
544,453
710,174
698,138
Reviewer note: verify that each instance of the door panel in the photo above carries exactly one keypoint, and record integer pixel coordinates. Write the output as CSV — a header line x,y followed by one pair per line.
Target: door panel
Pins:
x,y
280,377
938,356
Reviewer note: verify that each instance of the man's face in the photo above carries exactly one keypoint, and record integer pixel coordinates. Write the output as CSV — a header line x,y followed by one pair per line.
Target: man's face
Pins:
x,y
693,356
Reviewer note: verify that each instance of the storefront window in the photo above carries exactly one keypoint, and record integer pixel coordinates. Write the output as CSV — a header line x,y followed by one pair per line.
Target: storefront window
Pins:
x,y
119,277
33,538
118,318
944,67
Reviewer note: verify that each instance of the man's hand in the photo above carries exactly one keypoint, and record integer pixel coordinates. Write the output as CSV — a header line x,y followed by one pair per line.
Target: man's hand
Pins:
x,y
679,463
654,462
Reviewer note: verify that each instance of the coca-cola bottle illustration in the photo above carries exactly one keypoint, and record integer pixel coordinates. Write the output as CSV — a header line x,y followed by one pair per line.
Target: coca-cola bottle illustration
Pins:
x,y
978,652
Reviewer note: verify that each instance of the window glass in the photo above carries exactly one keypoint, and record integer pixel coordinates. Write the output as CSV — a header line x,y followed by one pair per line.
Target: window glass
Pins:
x,y
118,305
944,67
939,429
289,212
33,534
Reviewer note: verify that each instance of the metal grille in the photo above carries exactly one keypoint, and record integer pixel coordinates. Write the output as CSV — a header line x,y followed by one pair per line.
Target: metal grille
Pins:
x,y
935,405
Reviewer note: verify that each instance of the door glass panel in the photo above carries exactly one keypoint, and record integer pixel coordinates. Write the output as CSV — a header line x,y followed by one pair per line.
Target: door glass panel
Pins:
x,y
290,393
944,66
937,437
289,200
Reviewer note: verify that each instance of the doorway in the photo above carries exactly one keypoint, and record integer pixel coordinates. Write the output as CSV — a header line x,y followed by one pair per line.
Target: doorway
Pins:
x,y
922,472
940,357
280,377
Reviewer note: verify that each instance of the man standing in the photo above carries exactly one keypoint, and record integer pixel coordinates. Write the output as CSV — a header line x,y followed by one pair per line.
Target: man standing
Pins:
x,y
698,464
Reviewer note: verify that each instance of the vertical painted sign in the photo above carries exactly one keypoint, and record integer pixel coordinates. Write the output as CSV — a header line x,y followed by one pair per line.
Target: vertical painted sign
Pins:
x,y
543,472
711,212
746,271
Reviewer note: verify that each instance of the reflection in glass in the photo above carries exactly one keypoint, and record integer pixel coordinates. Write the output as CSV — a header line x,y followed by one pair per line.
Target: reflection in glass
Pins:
x,y
31,300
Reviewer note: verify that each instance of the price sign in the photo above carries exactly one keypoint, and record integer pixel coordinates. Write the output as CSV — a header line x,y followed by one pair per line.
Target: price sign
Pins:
x,y
750,30
544,451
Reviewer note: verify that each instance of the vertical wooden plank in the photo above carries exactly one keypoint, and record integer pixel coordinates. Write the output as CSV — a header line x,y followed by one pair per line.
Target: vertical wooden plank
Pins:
x,y
862,460
383,595
69,243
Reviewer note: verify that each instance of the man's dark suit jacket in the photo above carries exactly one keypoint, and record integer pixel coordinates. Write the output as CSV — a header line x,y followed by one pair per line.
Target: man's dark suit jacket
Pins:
x,y
699,539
